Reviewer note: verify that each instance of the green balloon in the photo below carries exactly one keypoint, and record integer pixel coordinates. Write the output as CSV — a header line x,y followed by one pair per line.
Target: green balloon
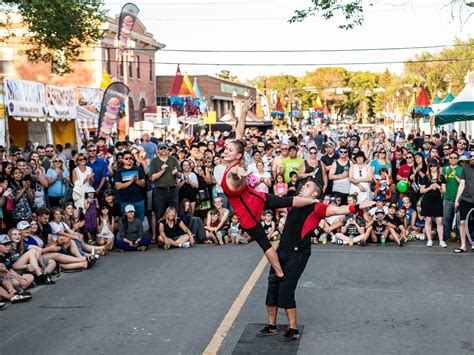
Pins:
x,y
402,186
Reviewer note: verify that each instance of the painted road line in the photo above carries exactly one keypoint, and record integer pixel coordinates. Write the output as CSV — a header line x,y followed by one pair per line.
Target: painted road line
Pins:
x,y
229,319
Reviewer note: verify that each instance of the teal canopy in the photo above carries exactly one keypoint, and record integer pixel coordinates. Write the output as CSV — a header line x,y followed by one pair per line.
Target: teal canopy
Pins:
x,y
456,112
436,100
450,97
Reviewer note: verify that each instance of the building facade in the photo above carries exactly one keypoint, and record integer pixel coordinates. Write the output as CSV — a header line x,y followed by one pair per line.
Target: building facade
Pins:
x,y
135,69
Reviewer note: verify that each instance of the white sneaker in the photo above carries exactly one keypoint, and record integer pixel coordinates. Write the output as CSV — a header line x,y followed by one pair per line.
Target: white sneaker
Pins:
x,y
333,239
185,245
323,237
429,243
443,244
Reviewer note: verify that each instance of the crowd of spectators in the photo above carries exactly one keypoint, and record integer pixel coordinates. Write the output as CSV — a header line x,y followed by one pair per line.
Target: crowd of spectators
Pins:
x,y
62,207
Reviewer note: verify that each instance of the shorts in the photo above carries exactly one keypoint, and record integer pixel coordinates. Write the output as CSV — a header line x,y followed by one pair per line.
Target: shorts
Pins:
x,y
464,208
293,263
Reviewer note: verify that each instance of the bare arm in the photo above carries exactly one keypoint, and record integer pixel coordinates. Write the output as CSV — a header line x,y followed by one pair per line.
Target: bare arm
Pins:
x,y
240,128
461,187
343,210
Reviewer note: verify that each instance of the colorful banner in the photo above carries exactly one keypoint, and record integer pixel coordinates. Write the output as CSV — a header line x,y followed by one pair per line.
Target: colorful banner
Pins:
x,y
88,108
61,102
112,109
25,98
128,17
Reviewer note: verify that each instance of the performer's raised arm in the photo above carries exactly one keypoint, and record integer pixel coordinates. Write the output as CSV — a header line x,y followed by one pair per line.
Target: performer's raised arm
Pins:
x,y
240,128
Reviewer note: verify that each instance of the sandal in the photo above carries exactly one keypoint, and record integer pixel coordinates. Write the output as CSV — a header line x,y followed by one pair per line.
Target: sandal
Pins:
x,y
459,251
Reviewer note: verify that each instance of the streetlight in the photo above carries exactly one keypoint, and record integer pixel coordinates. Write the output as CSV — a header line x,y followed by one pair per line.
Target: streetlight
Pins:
x,y
234,97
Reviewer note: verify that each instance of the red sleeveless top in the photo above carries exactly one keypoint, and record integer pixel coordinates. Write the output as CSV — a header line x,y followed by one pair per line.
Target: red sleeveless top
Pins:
x,y
247,203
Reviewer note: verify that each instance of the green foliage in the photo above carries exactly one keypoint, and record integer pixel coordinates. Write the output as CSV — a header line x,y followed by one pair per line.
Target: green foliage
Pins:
x,y
59,29
352,11
440,73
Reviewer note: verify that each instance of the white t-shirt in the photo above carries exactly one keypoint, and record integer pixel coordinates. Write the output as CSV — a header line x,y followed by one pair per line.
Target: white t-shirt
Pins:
x,y
218,174
57,227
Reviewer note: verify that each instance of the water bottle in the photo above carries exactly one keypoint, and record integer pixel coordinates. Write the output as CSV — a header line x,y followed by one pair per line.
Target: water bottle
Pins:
x,y
382,241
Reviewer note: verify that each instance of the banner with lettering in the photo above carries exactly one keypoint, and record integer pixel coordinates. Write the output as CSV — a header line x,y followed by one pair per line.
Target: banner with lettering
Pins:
x,y
25,98
61,102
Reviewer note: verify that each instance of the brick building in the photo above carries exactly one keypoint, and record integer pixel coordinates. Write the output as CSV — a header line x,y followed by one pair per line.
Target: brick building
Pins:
x,y
136,71
219,93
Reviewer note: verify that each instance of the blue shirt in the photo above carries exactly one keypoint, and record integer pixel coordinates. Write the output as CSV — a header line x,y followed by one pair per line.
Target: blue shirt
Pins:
x,y
150,149
100,169
58,189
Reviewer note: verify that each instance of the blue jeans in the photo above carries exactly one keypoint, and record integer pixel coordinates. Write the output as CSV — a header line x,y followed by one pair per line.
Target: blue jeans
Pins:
x,y
120,244
139,208
448,216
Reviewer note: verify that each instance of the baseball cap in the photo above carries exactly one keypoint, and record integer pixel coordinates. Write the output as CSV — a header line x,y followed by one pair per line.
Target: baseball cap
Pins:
x,y
379,198
4,240
162,145
354,138
268,212
393,205
463,158
129,208
379,210
22,225
332,200
329,144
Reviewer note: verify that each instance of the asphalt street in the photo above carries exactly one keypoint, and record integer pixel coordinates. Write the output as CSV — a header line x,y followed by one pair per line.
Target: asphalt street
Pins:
x,y
351,300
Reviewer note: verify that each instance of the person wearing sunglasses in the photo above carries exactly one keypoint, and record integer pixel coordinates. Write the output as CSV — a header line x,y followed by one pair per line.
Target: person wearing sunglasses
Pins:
x,y
432,186
58,181
314,168
99,168
339,175
82,177
452,174
130,184
463,148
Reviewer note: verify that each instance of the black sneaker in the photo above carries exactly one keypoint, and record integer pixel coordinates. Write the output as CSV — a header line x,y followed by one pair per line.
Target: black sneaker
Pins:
x,y
362,243
402,242
268,331
291,335
41,279
18,298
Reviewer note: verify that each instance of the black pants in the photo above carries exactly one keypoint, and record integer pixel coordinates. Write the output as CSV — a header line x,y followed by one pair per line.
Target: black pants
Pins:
x,y
257,232
164,198
293,263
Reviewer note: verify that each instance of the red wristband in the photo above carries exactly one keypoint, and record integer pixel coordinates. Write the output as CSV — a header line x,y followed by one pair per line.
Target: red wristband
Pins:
x,y
352,209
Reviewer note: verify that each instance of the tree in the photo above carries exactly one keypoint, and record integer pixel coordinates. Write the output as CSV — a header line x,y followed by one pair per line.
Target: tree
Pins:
x,y
353,11
440,71
58,29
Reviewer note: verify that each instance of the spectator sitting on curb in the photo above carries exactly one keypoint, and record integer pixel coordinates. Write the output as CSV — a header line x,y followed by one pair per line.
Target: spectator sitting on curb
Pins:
x,y
130,235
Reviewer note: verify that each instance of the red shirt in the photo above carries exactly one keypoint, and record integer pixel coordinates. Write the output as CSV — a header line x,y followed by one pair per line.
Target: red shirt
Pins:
x,y
404,171
247,203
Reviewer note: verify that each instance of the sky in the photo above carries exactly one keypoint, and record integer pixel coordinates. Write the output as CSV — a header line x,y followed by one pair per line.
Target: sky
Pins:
x,y
262,25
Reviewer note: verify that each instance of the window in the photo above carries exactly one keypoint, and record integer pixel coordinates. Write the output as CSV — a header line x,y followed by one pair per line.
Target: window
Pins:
x,y
138,67
107,60
121,66
130,68
161,101
151,69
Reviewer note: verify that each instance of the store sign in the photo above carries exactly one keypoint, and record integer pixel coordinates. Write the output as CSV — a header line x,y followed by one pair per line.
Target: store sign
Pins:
x,y
228,88
25,98
61,102
210,117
